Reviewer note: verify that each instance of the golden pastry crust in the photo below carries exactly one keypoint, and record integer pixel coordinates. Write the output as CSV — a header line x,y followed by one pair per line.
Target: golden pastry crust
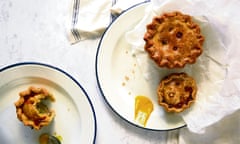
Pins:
x,y
176,92
31,107
172,40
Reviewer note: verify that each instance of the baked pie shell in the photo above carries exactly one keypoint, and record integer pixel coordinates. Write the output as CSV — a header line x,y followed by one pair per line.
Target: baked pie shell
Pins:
x,y
173,40
177,92
28,107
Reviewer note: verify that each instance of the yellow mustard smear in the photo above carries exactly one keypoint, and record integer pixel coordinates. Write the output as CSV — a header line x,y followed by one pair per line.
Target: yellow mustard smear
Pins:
x,y
143,109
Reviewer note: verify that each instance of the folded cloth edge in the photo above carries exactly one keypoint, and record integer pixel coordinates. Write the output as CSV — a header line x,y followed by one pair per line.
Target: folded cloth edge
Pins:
x,y
101,17
88,19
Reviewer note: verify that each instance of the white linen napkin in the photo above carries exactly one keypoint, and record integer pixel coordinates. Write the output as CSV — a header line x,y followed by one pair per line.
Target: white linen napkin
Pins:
x,y
90,18
216,70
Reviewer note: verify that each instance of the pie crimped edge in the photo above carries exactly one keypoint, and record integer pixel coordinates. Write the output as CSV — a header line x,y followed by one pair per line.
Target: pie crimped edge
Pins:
x,y
177,92
173,40
27,107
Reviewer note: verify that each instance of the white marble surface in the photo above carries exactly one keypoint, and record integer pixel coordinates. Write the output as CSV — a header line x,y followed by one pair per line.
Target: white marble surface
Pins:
x,y
36,31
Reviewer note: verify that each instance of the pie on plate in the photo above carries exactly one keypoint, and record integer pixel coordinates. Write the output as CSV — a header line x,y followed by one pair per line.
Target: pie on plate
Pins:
x,y
32,108
173,40
177,92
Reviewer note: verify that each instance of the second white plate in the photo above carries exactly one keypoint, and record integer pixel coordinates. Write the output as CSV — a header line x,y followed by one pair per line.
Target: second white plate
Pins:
x,y
120,79
75,120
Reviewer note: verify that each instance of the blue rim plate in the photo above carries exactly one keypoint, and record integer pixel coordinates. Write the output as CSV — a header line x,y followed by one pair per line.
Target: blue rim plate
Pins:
x,y
75,120
119,78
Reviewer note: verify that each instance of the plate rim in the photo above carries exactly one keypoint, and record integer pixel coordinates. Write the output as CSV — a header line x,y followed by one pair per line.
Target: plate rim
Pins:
x,y
68,76
99,83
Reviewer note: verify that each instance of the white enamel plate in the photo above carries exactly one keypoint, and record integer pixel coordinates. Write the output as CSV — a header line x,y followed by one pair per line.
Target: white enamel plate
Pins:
x,y
75,120
120,79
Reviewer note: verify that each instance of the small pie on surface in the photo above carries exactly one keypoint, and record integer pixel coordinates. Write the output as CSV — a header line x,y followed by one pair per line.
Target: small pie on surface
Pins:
x,y
32,109
173,40
176,92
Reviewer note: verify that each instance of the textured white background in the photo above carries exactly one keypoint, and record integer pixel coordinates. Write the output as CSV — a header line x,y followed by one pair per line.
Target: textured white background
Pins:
x,y
36,30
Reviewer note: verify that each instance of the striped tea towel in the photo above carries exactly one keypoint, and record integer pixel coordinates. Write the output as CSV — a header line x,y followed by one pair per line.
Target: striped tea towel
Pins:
x,y
89,18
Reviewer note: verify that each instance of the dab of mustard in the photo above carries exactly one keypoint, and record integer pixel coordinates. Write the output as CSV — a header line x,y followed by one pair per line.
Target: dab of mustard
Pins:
x,y
143,109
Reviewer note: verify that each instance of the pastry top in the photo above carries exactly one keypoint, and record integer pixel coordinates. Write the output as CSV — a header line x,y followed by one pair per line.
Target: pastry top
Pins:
x,y
176,92
172,40
32,109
